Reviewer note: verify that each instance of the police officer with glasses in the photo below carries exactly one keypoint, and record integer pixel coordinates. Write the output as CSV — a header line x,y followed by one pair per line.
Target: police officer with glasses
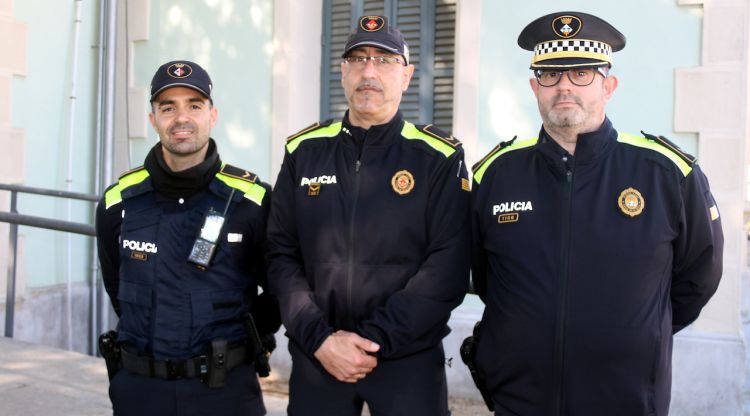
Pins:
x,y
591,247
368,244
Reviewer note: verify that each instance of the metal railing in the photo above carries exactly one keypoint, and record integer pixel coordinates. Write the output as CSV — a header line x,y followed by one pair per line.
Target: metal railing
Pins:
x,y
15,219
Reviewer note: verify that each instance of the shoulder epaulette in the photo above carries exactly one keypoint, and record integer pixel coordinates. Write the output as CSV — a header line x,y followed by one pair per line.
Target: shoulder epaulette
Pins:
x,y
321,129
480,167
134,170
671,146
659,144
244,181
439,134
132,177
310,128
434,137
238,173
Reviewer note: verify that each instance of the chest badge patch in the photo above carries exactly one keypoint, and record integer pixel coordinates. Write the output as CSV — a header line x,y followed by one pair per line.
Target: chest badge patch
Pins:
x,y
631,202
313,189
402,182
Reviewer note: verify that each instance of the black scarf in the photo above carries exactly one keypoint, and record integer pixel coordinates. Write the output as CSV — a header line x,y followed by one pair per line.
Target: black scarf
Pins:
x,y
184,183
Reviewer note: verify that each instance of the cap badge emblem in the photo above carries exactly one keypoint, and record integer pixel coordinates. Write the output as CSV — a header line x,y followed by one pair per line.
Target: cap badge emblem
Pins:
x,y
371,23
179,70
631,202
402,182
566,26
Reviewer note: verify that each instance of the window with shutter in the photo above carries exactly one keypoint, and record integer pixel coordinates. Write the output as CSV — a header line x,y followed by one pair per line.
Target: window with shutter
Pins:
x,y
429,27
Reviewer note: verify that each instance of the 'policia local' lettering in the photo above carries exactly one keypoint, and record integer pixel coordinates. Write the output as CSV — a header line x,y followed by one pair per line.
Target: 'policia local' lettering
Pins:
x,y
323,179
139,246
511,207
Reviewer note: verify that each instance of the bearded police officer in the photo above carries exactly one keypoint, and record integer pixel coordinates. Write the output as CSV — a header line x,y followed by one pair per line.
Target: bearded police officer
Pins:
x,y
181,246
592,247
368,244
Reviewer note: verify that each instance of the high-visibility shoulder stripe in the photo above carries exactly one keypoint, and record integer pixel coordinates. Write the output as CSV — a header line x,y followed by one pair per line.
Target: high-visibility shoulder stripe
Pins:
x,y
643,142
252,190
411,132
327,131
114,194
479,173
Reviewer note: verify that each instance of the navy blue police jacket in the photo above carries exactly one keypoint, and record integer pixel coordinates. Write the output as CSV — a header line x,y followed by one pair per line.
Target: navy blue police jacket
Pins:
x,y
368,233
587,265
168,307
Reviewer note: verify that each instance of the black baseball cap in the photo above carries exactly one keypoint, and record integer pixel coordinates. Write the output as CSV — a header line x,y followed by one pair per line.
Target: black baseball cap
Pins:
x,y
181,74
570,39
374,31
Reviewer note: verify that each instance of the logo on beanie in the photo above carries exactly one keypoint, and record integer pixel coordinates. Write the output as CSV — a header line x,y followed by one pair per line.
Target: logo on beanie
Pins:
x,y
179,70
371,23
566,26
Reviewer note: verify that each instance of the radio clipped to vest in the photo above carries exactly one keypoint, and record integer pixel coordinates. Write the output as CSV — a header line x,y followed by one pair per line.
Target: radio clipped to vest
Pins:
x,y
204,248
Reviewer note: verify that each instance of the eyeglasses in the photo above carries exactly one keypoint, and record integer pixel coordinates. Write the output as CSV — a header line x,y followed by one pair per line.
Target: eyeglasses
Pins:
x,y
380,61
578,76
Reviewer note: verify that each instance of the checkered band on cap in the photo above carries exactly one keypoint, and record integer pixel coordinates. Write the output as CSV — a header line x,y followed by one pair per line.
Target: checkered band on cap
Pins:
x,y
572,48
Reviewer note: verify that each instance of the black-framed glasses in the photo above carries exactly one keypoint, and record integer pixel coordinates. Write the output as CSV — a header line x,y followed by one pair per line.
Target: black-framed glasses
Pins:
x,y
380,61
578,76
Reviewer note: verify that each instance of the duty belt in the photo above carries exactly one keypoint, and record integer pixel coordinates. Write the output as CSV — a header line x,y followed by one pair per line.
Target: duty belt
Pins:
x,y
178,369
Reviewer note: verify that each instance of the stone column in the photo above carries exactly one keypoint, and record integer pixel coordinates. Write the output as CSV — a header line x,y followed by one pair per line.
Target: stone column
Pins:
x,y
711,100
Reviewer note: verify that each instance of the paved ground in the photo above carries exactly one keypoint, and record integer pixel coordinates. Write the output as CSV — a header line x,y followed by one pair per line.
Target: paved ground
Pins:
x,y
39,381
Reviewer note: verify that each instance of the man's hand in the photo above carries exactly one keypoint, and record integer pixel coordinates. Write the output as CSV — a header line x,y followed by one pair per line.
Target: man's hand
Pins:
x,y
344,355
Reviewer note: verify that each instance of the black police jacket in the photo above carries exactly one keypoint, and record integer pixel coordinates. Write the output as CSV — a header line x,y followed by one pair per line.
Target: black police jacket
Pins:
x,y
167,306
369,233
587,265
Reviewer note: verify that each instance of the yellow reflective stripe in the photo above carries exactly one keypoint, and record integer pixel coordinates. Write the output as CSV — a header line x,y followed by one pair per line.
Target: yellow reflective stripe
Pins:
x,y
114,195
329,131
515,146
411,132
570,54
252,191
643,142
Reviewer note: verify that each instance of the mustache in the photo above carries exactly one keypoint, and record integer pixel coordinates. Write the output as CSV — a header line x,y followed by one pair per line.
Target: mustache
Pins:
x,y
182,126
567,97
370,84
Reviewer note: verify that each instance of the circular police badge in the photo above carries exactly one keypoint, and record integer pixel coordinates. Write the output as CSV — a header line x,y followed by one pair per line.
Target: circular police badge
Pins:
x,y
566,26
631,202
179,70
402,182
371,23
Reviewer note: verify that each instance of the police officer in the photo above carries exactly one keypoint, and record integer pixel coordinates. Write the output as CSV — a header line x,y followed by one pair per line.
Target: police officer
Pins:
x,y
181,246
592,247
368,244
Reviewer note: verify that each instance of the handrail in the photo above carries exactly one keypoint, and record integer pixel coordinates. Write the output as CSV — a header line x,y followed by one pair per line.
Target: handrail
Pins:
x,y
15,219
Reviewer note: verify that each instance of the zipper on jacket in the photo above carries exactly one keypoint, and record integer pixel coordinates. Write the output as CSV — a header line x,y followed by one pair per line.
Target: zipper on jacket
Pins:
x,y
562,321
350,268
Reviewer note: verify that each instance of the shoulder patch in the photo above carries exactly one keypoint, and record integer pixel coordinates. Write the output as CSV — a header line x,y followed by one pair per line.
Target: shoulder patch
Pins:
x,y
411,132
682,160
310,128
134,170
690,159
480,167
244,181
238,173
113,195
500,146
439,134
323,129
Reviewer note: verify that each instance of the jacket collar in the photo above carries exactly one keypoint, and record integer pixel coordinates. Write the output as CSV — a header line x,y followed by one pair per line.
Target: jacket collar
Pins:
x,y
589,146
380,134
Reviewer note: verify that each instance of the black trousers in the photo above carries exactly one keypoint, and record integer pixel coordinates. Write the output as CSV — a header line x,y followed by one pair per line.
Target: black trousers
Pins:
x,y
409,386
136,395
